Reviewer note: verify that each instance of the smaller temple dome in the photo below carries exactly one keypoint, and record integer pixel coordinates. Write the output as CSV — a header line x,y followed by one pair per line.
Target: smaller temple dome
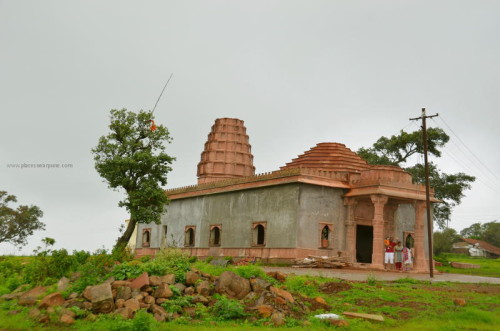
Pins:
x,y
330,156
227,152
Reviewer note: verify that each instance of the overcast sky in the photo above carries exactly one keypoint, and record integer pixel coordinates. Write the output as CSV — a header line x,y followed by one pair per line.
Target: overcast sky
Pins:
x,y
297,72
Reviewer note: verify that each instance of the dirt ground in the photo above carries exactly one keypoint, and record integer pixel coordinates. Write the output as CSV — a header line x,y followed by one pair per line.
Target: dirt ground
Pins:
x,y
362,275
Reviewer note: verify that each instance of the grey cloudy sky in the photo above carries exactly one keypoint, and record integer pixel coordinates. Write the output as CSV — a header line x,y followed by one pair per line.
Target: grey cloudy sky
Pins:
x,y
297,72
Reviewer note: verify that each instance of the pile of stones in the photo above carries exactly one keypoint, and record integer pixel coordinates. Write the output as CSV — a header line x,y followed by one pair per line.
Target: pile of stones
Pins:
x,y
125,297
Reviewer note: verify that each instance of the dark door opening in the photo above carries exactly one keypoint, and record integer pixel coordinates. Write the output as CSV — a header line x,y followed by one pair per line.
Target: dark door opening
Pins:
x,y
364,243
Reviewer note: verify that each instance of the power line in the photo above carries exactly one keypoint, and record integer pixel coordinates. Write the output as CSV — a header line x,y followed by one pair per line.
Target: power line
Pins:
x,y
474,155
162,93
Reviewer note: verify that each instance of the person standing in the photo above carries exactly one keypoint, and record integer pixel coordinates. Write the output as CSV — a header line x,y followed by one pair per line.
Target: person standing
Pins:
x,y
407,259
389,253
398,255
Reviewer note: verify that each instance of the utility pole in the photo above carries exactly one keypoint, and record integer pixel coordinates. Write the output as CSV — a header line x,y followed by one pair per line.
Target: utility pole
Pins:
x,y
427,188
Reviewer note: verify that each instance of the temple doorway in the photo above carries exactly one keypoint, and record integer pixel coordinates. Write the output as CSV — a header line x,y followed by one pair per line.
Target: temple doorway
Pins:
x,y
364,243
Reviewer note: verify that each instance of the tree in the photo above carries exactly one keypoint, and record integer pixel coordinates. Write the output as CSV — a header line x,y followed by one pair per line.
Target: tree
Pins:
x,y
443,241
396,150
489,232
132,157
17,224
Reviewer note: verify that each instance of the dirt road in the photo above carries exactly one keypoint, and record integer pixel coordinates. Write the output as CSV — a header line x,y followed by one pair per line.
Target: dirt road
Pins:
x,y
362,275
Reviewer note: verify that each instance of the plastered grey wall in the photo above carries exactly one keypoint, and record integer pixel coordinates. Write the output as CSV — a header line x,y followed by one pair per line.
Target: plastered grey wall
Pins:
x,y
235,212
320,204
404,220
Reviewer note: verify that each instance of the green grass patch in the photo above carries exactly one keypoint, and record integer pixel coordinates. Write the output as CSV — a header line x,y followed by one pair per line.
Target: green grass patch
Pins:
x,y
488,267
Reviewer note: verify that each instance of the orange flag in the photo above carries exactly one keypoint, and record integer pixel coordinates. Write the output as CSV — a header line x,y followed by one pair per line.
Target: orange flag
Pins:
x,y
153,125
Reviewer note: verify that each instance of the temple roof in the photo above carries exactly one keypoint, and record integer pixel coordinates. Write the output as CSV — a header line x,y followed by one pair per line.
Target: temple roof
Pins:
x,y
329,156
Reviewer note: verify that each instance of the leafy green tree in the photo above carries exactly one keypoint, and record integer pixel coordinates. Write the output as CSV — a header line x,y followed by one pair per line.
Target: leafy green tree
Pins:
x,y
489,232
17,224
132,157
396,150
492,233
474,231
443,240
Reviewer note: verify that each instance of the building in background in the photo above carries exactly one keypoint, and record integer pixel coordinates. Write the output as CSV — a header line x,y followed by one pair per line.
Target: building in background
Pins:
x,y
327,201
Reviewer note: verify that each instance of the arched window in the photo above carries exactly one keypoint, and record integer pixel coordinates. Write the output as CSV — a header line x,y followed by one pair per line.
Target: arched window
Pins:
x,y
146,237
325,234
215,234
189,236
259,234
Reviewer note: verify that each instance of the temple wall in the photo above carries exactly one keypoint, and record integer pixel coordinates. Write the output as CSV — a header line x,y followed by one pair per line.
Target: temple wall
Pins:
x,y
235,212
404,221
321,205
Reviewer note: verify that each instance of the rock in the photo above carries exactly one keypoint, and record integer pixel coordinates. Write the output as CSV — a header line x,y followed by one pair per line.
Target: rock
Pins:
x,y
159,301
150,299
320,300
120,303
338,322
282,293
30,297
35,313
203,288
54,299
259,285
169,279
101,298
21,288
154,280
123,292
191,277
67,319
278,318
265,310
11,296
232,285
189,290
163,291
50,310
68,312
200,299
140,282
459,302
189,311
280,300
133,304
145,305
87,305
180,286
73,295
365,316
280,276
118,283
139,297
158,312
125,312
219,262
63,284
74,303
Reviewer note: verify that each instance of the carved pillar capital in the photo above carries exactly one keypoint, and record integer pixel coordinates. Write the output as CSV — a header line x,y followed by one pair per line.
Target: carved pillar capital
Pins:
x,y
378,199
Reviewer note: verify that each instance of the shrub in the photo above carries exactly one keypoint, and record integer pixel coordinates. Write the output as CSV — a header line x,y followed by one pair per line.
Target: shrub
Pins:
x,y
127,271
169,260
227,309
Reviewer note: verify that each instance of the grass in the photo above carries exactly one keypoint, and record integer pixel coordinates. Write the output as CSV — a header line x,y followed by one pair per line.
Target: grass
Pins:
x,y
406,304
489,267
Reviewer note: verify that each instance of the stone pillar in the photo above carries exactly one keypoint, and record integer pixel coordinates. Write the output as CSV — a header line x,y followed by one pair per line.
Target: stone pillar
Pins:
x,y
379,202
420,262
350,225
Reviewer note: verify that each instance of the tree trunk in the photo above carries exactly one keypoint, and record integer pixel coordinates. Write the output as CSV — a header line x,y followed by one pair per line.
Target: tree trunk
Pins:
x,y
122,242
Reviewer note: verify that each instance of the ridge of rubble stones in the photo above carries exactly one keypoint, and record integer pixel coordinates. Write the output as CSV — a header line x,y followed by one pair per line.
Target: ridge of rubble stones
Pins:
x,y
125,297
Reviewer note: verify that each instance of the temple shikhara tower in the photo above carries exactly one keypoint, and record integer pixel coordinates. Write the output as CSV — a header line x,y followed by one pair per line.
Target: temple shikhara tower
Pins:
x,y
327,201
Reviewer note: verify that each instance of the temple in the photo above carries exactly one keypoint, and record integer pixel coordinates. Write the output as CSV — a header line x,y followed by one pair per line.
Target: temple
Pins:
x,y
327,201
